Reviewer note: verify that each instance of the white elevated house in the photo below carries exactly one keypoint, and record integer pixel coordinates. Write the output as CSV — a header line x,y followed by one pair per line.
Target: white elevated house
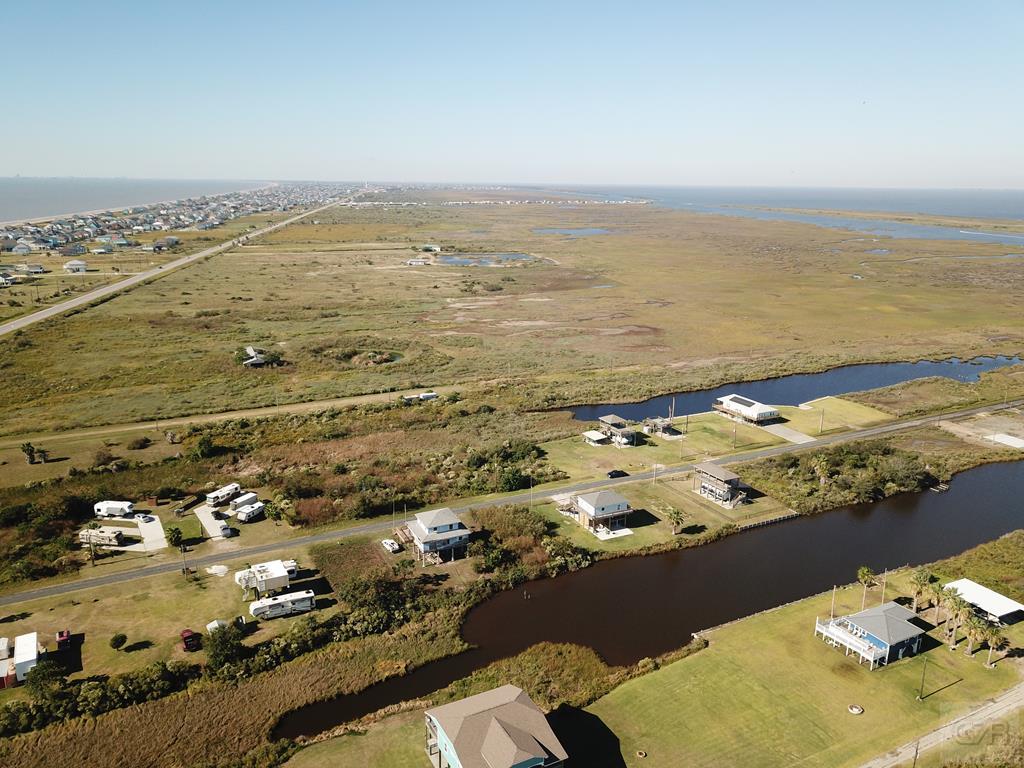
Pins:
x,y
600,509
75,266
438,530
995,607
746,409
717,483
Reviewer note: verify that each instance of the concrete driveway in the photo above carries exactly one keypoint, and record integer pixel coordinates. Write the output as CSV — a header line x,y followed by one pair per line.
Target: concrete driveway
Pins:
x,y
152,533
208,517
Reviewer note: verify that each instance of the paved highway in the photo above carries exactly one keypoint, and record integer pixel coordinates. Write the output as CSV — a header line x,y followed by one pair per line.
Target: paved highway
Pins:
x,y
521,497
107,290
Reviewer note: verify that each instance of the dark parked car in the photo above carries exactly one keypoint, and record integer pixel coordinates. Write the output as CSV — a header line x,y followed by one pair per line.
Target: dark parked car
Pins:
x,y
617,473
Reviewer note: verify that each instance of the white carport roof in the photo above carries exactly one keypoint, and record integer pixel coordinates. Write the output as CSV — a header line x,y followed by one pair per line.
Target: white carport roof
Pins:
x,y
984,598
595,436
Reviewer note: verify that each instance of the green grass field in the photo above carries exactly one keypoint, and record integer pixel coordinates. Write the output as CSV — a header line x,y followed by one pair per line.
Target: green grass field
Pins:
x,y
706,435
828,415
396,742
315,291
767,693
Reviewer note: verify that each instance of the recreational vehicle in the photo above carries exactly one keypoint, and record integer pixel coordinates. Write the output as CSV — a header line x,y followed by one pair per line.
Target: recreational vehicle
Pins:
x,y
223,495
283,605
114,509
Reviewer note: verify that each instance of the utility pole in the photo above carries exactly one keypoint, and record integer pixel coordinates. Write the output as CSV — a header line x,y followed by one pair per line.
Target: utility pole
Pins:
x,y
917,751
531,491
733,435
832,610
655,480
920,692
821,423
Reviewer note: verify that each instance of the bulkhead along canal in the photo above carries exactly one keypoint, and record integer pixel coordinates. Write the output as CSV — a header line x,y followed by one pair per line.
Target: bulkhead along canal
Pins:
x,y
631,608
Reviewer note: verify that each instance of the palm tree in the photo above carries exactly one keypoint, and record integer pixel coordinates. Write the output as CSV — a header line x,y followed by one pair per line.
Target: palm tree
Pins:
x,y
920,580
976,629
866,577
959,611
996,641
937,593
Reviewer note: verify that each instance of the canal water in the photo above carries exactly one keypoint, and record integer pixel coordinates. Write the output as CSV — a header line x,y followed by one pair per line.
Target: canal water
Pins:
x,y
636,607
799,388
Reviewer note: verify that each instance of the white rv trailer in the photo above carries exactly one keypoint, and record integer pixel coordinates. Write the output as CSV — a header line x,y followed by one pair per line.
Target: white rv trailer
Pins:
x,y
104,536
250,512
245,500
114,509
26,654
283,605
223,495
264,577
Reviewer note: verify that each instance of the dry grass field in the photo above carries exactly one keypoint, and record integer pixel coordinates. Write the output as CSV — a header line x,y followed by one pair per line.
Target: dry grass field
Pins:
x,y
665,300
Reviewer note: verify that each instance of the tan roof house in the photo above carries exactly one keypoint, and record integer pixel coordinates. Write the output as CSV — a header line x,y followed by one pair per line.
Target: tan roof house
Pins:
x,y
500,728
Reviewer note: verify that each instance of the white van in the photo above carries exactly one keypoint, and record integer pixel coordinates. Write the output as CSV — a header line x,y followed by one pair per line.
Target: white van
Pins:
x,y
114,509
223,495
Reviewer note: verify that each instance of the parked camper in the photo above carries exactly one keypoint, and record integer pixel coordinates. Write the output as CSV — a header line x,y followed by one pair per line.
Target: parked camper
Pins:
x,y
114,509
251,512
223,495
5,648
283,605
107,537
264,577
245,500
428,395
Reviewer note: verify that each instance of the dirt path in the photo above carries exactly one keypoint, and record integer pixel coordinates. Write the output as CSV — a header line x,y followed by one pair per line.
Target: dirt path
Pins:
x,y
962,727
207,418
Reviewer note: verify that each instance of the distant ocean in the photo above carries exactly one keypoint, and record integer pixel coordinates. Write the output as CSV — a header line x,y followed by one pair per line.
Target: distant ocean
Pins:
x,y
34,198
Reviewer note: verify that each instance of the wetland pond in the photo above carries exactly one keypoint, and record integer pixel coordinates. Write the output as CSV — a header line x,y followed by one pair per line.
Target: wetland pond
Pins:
x,y
799,388
635,607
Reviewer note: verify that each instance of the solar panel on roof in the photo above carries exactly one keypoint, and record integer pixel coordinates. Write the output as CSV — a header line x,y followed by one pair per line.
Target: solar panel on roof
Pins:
x,y
743,401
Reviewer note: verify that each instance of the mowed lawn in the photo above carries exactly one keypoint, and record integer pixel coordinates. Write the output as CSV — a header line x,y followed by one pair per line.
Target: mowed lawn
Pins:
x,y
831,414
396,742
768,693
706,435
151,612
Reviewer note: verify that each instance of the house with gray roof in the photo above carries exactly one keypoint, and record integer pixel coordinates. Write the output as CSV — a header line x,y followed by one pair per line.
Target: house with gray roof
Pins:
x,y
878,635
439,530
500,728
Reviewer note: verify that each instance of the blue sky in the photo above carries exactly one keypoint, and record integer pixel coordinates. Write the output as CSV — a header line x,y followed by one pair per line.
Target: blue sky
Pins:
x,y
877,94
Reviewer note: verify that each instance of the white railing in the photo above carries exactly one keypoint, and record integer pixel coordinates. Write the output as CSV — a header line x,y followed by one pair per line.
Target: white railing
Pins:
x,y
847,638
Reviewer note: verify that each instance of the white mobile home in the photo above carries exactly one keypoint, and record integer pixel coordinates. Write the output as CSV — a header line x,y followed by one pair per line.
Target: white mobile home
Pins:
x,y
114,509
283,605
223,495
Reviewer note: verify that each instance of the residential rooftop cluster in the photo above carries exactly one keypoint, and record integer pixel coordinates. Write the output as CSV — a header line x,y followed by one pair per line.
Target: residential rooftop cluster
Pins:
x,y
117,228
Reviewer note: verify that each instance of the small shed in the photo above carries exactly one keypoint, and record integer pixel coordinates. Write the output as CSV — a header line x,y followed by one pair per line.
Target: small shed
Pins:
x,y
26,654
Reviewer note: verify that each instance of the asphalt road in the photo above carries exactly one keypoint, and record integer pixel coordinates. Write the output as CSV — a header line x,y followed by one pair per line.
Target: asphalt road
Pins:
x,y
380,526
106,290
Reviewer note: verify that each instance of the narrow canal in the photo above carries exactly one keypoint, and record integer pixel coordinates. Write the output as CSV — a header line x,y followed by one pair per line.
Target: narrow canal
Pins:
x,y
799,388
634,607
